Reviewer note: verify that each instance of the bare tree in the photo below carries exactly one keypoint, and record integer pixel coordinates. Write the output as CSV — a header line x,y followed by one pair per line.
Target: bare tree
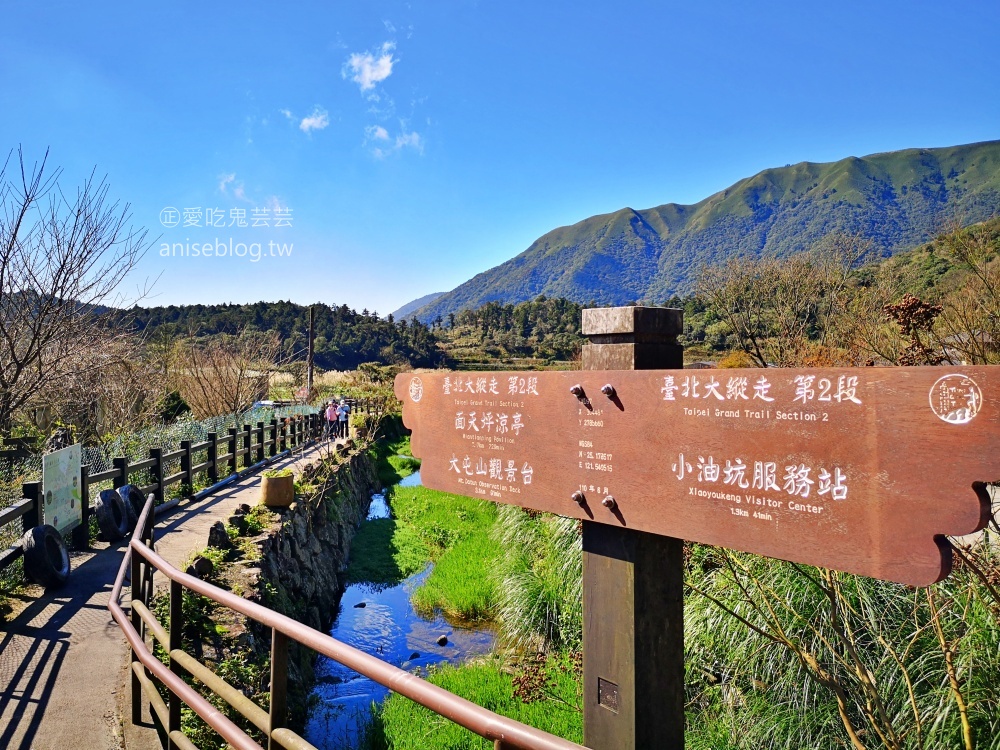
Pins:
x,y
223,374
62,260
970,323
866,331
115,387
782,311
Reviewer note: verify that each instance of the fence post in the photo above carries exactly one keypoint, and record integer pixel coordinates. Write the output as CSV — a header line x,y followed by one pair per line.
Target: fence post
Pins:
x,y
212,458
279,685
260,443
31,519
186,465
272,443
175,641
81,534
137,624
157,455
231,449
633,581
247,456
121,464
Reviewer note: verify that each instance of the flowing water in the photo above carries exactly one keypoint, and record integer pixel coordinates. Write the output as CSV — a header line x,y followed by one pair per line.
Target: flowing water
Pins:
x,y
388,627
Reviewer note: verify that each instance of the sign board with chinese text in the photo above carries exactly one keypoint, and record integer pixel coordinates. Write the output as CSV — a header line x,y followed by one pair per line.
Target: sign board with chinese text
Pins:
x,y
61,488
862,470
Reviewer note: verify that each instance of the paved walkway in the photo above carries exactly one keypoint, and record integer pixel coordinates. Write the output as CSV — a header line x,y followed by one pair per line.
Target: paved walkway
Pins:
x,y
63,660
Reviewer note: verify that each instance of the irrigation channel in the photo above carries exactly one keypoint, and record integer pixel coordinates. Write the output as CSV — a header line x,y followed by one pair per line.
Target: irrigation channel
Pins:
x,y
381,621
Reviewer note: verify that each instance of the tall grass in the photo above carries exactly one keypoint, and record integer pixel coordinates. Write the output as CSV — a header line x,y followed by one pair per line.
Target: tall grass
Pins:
x,y
539,579
784,656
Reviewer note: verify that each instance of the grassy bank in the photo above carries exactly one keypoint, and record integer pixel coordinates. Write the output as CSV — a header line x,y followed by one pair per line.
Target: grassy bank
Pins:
x,y
491,563
543,692
428,526
394,460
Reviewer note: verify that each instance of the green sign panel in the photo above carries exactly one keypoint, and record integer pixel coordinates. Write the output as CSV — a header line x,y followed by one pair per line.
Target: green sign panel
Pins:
x,y
61,488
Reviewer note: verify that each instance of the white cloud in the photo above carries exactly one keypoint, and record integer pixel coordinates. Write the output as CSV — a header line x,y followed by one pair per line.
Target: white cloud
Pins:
x,y
228,184
412,140
318,120
369,68
288,114
385,145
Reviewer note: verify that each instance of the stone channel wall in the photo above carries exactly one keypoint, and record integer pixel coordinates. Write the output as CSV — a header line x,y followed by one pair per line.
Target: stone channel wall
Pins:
x,y
304,559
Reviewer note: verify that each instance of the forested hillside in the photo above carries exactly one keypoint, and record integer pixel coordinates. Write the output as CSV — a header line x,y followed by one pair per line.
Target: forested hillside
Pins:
x,y
541,332
895,200
344,338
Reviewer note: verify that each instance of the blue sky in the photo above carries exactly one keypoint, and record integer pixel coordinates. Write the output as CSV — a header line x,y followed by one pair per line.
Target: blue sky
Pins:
x,y
409,146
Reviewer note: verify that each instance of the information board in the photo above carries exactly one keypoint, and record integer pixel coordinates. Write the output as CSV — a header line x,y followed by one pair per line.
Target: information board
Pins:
x,y
61,488
862,470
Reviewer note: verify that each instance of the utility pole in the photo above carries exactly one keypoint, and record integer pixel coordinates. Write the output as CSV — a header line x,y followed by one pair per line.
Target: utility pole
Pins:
x,y
309,356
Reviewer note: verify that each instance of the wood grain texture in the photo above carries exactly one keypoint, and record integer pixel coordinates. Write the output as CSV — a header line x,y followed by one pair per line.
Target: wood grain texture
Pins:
x,y
862,470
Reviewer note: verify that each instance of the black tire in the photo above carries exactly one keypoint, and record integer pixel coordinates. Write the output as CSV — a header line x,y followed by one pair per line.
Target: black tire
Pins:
x,y
46,559
133,496
130,516
112,517
130,512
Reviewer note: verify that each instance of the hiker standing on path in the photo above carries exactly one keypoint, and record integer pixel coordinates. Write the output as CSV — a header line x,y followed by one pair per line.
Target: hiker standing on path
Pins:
x,y
343,414
331,420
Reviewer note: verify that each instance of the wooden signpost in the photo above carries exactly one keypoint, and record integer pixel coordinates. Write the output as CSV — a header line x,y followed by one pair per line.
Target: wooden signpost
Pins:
x,y
863,470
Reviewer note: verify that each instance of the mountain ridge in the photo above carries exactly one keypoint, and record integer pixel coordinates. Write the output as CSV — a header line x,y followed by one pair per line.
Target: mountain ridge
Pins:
x,y
411,307
897,199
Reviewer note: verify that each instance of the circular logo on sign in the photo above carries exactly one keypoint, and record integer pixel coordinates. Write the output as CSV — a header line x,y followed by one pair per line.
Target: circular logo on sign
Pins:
x,y
956,399
416,389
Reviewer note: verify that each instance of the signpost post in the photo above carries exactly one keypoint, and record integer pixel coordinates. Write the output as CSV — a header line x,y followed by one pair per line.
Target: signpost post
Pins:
x,y
633,581
859,469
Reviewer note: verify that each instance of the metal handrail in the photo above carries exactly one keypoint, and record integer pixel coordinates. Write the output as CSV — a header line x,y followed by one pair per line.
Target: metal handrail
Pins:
x,y
209,713
503,731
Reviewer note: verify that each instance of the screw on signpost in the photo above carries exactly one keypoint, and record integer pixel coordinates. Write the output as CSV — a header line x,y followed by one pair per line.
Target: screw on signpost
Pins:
x,y
633,581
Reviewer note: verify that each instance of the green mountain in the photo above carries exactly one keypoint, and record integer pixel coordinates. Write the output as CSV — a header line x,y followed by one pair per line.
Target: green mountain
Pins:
x,y
898,199
409,308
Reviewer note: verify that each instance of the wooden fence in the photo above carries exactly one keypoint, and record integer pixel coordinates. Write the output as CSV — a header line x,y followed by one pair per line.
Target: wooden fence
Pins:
x,y
223,455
